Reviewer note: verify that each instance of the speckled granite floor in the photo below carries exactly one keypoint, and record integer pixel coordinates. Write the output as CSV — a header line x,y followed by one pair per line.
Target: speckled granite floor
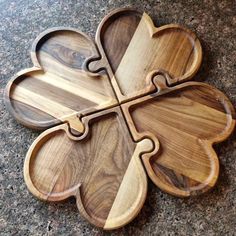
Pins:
x,y
21,214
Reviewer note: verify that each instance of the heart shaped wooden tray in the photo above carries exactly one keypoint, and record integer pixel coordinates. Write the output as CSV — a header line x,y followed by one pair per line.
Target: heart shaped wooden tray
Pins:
x,y
132,47
58,89
115,108
186,120
96,168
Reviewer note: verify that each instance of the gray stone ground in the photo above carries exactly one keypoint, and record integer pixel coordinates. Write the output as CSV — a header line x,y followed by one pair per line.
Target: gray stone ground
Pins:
x,y
213,213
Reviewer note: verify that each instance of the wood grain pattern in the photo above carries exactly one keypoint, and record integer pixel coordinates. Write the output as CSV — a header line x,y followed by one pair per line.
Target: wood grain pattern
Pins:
x,y
132,47
118,107
186,120
102,169
58,89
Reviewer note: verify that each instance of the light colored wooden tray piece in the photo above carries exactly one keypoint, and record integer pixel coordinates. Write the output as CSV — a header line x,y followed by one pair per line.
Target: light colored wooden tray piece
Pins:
x,y
131,47
102,169
58,89
185,120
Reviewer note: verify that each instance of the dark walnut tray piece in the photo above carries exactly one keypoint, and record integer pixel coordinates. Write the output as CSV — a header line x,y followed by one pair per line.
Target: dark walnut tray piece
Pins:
x,y
115,110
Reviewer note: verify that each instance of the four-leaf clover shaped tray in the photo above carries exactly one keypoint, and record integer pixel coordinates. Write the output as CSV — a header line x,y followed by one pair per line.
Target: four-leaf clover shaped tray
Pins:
x,y
118,110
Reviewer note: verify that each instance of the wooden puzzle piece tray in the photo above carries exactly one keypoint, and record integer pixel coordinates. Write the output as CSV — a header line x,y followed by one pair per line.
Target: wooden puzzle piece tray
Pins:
x,y
131,48
116,111
58,89
186,120
97,168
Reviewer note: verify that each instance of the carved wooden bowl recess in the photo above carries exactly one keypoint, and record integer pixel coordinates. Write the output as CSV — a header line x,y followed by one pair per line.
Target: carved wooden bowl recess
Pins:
x,y
116,111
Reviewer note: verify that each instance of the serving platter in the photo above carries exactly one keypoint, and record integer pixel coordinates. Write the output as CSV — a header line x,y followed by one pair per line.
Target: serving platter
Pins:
x,y
131,48
118,110
96,168
58,88
185,121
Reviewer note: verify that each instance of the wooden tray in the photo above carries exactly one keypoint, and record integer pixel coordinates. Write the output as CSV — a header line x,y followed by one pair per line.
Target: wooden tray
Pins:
x,y
97,168
58,88
185,121
119,107
132,48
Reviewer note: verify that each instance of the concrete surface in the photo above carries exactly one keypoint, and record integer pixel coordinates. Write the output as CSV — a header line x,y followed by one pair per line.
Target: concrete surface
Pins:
x,y
213,213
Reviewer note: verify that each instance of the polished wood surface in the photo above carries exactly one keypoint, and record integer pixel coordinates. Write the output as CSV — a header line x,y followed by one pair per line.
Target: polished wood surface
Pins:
x,y
185,121
121,108
102,169
132,47
58,89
